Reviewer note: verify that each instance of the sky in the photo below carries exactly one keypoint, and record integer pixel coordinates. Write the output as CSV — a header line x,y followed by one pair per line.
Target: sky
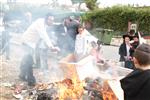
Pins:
x,y
109,3
103,3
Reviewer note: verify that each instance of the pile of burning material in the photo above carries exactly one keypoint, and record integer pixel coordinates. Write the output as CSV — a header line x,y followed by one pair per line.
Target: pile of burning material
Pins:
x,y
109,73
89,89
75,87
98,89
64,90
93,89
69,89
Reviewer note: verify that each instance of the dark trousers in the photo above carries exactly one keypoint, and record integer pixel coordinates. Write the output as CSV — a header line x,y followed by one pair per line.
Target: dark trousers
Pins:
x,y
129,64
26,69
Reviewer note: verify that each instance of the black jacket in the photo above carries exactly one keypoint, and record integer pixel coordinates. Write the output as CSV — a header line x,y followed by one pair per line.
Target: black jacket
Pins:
x,y
136,85
123,51
134,46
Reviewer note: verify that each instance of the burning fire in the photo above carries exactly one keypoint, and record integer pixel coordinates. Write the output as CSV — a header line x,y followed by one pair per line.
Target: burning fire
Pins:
x,y
107,93
70,89
73,89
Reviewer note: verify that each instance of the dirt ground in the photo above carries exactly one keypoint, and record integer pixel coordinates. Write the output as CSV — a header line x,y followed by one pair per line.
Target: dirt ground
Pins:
x,y
9,71
8,76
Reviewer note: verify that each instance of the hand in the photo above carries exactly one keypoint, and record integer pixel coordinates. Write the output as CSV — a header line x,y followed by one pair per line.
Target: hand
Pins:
x,y
126,58
130,58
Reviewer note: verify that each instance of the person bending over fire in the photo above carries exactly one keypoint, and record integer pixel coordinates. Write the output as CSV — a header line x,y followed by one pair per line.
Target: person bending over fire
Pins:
x,y
35,32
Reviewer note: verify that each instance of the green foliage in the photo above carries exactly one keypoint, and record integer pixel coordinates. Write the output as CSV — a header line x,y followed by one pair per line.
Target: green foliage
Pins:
x,y
117,18
91,4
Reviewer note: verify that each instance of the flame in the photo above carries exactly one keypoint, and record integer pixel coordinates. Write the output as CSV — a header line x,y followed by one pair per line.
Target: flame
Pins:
x,y
70,88
107,93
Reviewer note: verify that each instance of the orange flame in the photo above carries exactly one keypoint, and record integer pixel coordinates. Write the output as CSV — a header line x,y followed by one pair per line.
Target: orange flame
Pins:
x,y
107,93
72,89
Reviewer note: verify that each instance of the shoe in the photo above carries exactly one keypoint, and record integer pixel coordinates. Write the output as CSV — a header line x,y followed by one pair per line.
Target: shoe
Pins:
x,y
32,81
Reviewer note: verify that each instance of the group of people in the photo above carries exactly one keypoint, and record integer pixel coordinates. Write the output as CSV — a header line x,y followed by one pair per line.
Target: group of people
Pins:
x,y
127,48
71,35
136,85
136,56
76,37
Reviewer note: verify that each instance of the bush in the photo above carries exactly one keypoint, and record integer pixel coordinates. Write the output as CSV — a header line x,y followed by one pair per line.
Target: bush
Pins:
x,y
117,18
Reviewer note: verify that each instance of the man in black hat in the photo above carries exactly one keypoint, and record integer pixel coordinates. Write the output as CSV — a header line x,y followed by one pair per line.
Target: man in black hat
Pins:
x,y
134,44
131,34
124,52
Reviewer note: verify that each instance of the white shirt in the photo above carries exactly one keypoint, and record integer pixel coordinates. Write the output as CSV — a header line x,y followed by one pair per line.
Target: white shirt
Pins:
x,y
128,50
36,31
81,44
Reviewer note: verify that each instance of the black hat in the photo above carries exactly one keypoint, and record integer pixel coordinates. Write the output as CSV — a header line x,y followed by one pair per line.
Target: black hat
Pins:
x,y
135,36
132,31
126,35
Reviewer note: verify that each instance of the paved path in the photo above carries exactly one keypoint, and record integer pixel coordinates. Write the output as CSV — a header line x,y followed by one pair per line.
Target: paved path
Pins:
x,y
110,52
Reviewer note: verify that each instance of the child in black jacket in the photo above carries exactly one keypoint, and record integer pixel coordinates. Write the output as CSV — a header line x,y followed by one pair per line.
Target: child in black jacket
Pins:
x,y
136,85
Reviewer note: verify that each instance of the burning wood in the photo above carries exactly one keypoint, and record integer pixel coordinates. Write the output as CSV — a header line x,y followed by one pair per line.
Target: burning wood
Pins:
x,y
94,88
62,90
70,89
44,86
44,96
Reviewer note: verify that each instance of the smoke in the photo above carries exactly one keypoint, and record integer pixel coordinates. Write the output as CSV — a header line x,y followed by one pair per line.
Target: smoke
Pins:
x,y
53,74
17,20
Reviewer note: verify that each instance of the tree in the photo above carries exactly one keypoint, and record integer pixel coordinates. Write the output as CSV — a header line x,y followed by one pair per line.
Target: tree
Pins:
x,y
91,4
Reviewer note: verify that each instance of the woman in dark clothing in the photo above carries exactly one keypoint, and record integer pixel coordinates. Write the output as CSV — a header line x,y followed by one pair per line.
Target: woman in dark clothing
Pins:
x,y
136,85
124,52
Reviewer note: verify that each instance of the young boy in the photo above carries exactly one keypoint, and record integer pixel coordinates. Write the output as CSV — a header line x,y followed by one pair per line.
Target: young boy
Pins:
x,y
136,85
81,43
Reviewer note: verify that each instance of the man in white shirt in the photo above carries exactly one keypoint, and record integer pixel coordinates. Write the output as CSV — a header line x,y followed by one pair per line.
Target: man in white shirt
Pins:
x,y
35,32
